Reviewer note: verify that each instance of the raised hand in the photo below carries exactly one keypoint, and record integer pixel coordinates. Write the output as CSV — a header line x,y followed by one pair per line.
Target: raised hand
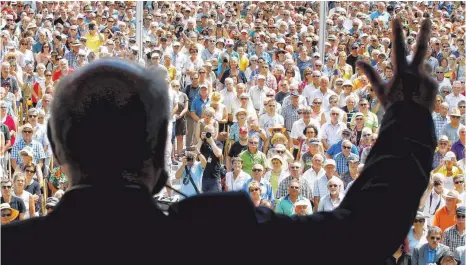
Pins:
x,y
410,82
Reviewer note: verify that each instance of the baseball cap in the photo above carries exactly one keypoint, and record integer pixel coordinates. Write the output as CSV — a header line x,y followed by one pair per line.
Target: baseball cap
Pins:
x,y
329,162
314,141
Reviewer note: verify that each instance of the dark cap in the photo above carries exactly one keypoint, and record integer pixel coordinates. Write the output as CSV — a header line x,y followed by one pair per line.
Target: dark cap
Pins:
x,y
460,210
314,141
347,131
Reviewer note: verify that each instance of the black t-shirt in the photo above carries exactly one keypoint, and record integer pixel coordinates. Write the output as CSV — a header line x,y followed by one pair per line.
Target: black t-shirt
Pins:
x,y
16,203
351,60
280,96
34,189
213,166
236,149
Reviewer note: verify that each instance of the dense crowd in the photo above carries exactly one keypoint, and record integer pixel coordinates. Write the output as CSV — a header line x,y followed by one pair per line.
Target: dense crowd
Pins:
x,y
255,106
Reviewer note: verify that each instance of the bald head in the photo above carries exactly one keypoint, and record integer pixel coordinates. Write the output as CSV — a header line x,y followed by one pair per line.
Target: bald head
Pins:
x,y
110,117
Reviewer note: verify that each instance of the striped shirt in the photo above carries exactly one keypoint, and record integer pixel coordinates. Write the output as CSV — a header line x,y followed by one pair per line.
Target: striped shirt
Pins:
x,y
439,123
290,114
452,238
305,189
37,151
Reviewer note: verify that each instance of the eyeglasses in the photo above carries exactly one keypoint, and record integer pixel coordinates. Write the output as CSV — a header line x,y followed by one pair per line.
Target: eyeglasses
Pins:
x,y
317,103
280,152
459,182
6,214
253,143
332,185
335,114
27,132
32,116
294,187
347,147
6,187
30,171
435,238
419,220
460,216
257,170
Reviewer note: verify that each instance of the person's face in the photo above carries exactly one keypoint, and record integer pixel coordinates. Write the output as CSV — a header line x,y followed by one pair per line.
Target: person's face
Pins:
x,y
433,240
203,92
6,214
316,161
330,170
333,188
460,219
294,169
252,144
32,118
271,107
346,148
334,115
257,172
26,158
455,119
6,189
293,189
459,183
364,106
353,165
27,134
443,110
255,191
276,164
419,222
237,165
20,182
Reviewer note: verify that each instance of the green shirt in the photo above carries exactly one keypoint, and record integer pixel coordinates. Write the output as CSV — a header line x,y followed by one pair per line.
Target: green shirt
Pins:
x,y
249,160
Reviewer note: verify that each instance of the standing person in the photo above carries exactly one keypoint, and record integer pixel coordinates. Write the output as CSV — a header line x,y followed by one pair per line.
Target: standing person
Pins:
x,y
191,172
138,172
211,149
15,202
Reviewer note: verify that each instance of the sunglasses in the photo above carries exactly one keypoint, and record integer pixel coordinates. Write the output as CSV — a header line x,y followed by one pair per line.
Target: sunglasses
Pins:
x,y
460,216
347,147
30,171
253,142
435,238
294,187
419,220
27,132
332,185
257,170
295,168
6,187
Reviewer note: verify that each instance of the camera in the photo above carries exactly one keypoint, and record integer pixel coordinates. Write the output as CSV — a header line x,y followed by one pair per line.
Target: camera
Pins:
x,y
189,158
208,135
225,60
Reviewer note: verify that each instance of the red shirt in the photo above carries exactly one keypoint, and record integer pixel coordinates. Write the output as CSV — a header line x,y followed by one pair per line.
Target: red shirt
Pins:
x,y
58,74
10,123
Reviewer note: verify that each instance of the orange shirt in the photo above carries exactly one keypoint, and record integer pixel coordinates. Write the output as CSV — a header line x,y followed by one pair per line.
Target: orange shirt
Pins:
x,y
443,220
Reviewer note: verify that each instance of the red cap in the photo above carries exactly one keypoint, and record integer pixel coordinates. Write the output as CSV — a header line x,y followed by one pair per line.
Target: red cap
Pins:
x,y
243,130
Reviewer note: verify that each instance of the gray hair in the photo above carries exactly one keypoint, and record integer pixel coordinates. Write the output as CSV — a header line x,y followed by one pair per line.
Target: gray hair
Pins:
x,y
434,230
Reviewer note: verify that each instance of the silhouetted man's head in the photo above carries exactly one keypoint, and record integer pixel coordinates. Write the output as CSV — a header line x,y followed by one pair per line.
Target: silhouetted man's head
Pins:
x,y
109,123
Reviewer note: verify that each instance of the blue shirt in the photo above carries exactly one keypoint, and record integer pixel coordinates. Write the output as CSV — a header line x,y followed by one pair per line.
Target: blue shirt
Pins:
x,y
430,258
336,148
266,189
199,105
186,185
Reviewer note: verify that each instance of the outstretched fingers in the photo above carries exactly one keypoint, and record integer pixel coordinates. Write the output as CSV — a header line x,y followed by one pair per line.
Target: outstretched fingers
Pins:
x,y
374,78
399,48
422,44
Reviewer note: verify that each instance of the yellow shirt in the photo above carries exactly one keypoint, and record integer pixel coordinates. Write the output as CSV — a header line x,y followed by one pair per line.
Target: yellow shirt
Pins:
x,y
93,42
243,63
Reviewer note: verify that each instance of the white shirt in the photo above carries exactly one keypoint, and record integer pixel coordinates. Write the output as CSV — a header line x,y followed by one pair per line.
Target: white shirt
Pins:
x,y
327,204
321,188
228,99
453,100
311,176
257,96
332,132
298,128
324,97
431,207
236,184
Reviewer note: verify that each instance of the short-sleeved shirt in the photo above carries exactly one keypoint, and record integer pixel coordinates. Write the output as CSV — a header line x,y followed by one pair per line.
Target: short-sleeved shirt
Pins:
x,y
199,105
186,185
236,149
17,204
213,166
250,159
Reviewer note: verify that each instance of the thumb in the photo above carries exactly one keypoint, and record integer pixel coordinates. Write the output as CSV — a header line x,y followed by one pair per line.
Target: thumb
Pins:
x,y
374,78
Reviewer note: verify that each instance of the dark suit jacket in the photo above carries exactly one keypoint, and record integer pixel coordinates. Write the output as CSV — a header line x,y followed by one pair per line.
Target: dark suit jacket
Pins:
x,y
123,226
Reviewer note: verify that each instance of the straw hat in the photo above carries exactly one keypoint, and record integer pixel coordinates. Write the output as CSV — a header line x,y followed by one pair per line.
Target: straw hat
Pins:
x,y
277,126
276,157
278,136
453,194
216,98
14,212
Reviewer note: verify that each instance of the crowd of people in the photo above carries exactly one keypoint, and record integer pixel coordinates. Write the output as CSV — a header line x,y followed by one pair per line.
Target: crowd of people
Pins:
x,y
255,106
